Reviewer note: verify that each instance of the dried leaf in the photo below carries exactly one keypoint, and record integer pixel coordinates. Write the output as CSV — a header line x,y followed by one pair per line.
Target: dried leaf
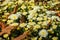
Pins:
x,y
22,20
15,9
7,30
21,37
58,13
2,25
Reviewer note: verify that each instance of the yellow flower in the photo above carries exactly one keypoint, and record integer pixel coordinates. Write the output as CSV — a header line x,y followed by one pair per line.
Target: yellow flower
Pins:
x,y
40,38
5,2
54,26
36,26
31,3
43,33
28,26
9,4
30,16
20,1
45,23
0,10
39,22
26,29
5,8
48,21
32,12
44,27
39,18
13,17
23,24
23,6
36,14
6,13
31,23
55,38
29,7
34,38
14,24
24,13
34,18
32,0
50,31
36,8
4,20
18,28
16,2
3,16
40,3
30,20
9,21
45,17
5,35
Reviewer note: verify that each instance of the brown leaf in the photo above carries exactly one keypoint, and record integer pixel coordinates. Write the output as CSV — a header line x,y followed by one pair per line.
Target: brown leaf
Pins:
x,y
7,30
15,9
58,13
2,25
22,20
21,37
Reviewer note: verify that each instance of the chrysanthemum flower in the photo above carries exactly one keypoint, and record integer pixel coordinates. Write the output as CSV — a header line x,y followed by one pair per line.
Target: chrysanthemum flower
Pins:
x,y
43,33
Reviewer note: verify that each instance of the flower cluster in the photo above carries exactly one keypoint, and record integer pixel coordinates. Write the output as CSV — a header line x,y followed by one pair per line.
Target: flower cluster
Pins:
x,y
44,23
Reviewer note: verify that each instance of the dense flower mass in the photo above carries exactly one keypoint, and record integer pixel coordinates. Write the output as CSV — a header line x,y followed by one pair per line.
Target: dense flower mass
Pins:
x,y
40,18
